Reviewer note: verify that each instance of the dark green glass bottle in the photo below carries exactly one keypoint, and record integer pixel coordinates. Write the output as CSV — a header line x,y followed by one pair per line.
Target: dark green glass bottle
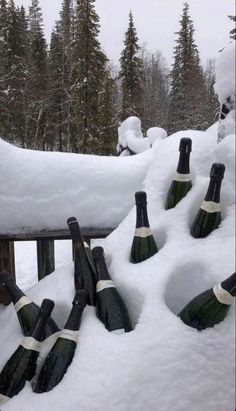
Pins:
x,y
143,245
210,307
84,270
61,355
209,216
26,309
110,308
181,183
21,366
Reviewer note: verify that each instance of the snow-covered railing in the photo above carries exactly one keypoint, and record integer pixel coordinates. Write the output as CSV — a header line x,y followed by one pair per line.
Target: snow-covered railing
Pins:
x,y
45,249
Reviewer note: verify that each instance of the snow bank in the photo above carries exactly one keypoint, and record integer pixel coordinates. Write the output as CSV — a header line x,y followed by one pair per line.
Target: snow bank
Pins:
x,y
162,365
41,189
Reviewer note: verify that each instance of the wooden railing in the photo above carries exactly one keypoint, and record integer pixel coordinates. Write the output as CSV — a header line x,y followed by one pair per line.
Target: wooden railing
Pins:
x,y
45,249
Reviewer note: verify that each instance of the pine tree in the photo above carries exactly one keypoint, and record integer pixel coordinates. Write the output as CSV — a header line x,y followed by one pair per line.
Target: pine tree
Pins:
x,y
212,104
131,75
233,31
17,72
4,114
38,81
107,109
89,73
187,96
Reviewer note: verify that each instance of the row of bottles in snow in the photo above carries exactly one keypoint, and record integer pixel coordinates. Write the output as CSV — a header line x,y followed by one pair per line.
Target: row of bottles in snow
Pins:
x,y
95,287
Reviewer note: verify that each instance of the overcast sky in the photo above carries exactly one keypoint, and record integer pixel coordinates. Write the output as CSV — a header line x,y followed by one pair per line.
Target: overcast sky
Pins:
x,y
156,22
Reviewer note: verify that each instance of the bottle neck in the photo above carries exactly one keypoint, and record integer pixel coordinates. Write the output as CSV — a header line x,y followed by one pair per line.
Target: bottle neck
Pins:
x,y
230,284
183,164
74,319
141,216
75,233
101,269
37,331
13,291
213,192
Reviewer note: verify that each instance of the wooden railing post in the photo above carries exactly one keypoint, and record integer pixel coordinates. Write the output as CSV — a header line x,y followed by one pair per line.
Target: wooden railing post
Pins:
x,y
45,257
7,263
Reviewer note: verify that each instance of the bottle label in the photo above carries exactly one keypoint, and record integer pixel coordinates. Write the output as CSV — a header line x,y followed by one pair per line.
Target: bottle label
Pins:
x,y
22,302
182,177
31,344
69,334
3,399
119,331
222,295
102,284
210,206
143,232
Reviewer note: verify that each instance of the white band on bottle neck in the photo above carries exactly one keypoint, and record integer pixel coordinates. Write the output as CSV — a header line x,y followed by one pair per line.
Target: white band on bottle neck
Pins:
x,y
210,206
69,334
102,284
3,399
31,344
119,331
143,232
22,302
86,244
222,295
182,177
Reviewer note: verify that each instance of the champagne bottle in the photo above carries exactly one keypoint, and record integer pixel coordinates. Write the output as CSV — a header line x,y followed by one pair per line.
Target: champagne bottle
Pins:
x,y
21,366
110,308
84,270
26,309
61,355
209,216
181,182
143,245
210,307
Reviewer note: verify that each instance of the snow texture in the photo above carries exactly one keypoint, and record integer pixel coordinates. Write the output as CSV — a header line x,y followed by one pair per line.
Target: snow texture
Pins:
x,y
41,189
225,88
163,364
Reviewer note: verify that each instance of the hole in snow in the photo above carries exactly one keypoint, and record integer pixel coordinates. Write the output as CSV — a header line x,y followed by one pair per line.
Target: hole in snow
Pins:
x,y
134,302
187,281
160,237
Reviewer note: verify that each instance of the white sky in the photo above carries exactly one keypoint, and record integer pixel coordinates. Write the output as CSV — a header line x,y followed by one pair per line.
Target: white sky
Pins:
x,y
156,23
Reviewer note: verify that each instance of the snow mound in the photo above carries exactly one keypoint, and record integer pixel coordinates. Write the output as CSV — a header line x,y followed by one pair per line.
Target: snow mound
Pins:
x,y
225,73
131,139
41,189
163,364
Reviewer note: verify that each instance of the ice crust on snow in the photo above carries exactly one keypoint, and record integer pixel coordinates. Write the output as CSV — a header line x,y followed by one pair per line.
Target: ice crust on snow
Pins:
x,y
41,189
162,365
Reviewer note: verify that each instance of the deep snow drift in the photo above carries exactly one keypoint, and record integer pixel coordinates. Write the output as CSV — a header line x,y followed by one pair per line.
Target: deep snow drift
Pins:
x,y
162,365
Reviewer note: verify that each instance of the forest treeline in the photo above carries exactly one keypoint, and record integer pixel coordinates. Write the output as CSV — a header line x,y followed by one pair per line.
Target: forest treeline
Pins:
x,y
68,96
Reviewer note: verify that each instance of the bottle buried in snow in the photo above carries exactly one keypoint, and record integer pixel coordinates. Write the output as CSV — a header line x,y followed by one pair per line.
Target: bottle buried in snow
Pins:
x,y
21,366
84,276
143,245
210,307
26,309
181,182
61,355
209,216
110,308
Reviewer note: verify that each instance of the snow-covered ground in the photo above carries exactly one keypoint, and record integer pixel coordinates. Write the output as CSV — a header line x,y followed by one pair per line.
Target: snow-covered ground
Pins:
x,y
162,364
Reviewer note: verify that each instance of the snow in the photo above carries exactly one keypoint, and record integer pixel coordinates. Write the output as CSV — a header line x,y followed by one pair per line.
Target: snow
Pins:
x,y
131,138
225,73
163,364
41,189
